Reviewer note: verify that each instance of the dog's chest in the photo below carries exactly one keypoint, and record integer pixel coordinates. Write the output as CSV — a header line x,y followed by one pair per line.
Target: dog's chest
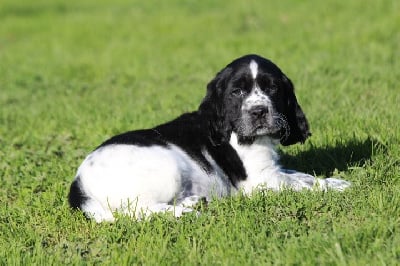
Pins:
x,y
259,160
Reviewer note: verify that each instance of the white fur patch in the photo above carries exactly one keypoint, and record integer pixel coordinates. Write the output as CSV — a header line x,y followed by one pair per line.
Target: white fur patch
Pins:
x,y
254,69
138,181
260,161
256,98
125,177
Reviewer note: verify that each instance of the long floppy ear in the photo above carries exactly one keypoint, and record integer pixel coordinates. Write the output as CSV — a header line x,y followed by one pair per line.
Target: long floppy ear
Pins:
x,y
297,121
213,108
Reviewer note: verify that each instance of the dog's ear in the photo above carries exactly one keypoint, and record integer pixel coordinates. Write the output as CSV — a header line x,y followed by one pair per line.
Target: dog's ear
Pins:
x,y
213,108
297,121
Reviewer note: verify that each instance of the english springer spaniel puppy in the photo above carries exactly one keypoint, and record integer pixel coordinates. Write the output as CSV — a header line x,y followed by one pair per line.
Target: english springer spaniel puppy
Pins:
x,y
226,146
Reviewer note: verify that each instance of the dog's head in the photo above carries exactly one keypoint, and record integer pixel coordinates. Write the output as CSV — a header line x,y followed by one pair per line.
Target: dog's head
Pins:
x,y
252,97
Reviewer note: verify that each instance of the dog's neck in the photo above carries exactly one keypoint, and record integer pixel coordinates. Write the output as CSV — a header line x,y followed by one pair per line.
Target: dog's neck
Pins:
x,y
260,161
256,155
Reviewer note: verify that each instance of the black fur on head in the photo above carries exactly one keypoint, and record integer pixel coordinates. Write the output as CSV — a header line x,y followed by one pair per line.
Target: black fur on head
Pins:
x,y
214,109
253,98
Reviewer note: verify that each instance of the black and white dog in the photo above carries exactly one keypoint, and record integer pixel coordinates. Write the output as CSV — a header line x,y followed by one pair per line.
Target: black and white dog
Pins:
x,y
226,146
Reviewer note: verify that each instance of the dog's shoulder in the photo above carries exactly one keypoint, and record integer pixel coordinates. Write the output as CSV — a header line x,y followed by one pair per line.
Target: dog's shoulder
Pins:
x,y
191,133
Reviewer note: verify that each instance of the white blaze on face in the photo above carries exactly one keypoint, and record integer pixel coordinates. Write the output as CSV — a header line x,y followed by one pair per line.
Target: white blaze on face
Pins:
x,y
257,97
253,69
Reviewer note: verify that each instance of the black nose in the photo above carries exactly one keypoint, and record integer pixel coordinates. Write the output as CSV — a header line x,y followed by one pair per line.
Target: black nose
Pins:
x,y
259,111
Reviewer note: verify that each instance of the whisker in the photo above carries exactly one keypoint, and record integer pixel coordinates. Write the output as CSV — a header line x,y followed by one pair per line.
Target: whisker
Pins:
x,y
281,122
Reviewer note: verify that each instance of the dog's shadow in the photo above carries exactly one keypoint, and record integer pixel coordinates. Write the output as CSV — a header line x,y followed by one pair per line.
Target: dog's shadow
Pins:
x,y
323,161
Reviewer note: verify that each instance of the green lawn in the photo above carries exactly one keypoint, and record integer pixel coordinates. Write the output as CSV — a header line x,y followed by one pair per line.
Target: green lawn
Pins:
x,y
73,73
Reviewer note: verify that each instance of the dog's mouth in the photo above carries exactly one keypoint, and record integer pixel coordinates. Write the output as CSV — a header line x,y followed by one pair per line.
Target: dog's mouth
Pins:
x,y
259,132
272,132
273,128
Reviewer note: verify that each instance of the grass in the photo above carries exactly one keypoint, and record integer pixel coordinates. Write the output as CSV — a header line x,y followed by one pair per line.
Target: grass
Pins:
x,y
73,74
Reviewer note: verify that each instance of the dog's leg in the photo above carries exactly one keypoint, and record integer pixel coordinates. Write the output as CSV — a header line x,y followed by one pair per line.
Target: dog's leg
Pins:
x,y
298,181
183,206
336,184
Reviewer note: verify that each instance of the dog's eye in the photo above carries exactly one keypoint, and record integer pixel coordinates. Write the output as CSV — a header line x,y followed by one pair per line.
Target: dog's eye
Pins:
x,y
273,89
238,92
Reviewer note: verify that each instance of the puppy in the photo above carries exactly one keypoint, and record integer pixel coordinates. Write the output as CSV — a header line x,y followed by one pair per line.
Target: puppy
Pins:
x,y
226,146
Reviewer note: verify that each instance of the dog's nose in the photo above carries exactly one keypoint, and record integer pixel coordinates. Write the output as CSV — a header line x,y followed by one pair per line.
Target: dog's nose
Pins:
x,y
259,111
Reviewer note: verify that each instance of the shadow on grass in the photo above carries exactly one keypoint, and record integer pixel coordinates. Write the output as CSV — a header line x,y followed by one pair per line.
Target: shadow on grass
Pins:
x,y
325,160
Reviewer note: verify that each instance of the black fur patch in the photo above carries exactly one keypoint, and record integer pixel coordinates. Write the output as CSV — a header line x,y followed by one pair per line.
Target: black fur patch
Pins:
x,y
76,196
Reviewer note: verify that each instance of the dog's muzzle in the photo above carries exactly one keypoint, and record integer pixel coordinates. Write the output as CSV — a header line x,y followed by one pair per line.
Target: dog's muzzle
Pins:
x,y
258,112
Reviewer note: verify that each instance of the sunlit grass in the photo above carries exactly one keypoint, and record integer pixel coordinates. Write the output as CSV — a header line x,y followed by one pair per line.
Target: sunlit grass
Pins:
x,y
74,73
